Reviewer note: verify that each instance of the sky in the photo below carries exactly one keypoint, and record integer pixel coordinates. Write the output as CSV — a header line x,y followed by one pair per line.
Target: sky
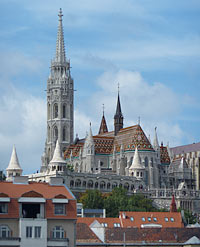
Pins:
x,y
150,47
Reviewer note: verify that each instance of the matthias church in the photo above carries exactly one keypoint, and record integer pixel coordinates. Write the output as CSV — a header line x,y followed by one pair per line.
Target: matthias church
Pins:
x,y
122,157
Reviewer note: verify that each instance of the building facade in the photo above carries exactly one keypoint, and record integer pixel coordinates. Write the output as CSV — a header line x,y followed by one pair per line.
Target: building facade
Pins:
x,y
37,214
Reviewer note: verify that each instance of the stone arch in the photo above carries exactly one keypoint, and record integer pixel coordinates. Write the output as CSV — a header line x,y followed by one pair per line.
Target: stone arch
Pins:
x,y
90,184
64,134
114,185
96,185
132,186
126,186
102,185
71,183
78,183
108,186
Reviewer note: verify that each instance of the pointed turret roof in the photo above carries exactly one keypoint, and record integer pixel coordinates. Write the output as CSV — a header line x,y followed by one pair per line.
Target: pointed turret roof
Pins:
x,y
173,205
155,142
57,157
60,45
14,162
136,164
118,109
103,127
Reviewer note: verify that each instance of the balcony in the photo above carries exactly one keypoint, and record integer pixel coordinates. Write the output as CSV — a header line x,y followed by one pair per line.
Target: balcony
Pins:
x,y
57,242
10,241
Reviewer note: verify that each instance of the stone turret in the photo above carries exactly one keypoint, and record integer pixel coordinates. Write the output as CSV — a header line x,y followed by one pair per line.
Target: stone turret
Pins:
x,y
137,169
57,163
14,168
88,152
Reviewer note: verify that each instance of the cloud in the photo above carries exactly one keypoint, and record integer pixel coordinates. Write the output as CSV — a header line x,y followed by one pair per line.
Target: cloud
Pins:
x,y
22,123
156,104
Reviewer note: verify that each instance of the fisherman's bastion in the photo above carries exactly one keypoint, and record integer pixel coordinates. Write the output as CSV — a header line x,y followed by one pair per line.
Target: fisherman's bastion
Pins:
x,y
122,157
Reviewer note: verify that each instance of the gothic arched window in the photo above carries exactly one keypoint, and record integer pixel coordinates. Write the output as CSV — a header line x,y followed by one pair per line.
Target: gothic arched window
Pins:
x,y
55,133
146,161
64,134
64,111
55,111
48,112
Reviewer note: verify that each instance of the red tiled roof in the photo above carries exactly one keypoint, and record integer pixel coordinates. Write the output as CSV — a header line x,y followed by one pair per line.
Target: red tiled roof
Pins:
x,y
88,221
85,234
33,188
174,219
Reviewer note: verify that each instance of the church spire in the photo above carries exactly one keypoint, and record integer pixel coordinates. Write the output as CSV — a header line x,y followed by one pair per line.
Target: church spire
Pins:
x,y
60,45
118,118
103,126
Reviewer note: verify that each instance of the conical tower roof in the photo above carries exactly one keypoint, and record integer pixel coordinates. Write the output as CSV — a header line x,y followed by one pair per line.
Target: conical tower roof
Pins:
x,y
57,157
14,162
103,127
136,164
118,109
60,45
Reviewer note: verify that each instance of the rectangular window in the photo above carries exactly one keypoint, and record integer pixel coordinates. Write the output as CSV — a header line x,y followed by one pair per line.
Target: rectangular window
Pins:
x,y
37,231
3,208
29,231
59,209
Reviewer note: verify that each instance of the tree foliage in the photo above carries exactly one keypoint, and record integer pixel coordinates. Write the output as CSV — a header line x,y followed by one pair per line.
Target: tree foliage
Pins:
x,y
116,201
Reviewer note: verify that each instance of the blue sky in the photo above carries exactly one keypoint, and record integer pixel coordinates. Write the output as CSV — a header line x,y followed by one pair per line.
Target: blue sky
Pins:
x,y
150,47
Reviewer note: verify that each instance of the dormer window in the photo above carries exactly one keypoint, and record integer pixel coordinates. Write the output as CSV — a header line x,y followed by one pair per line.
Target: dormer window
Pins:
x,y
132,219
143,218
166,219
116,224
59,209
172,219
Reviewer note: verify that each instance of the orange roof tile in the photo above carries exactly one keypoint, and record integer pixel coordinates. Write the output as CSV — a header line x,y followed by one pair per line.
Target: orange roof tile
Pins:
x,y
46,190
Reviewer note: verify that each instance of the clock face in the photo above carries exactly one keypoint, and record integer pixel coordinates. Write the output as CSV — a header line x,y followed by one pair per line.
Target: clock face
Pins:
x,y
139,137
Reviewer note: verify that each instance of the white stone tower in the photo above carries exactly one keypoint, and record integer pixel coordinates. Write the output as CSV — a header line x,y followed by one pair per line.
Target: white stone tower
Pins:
x,y
14,168
60,101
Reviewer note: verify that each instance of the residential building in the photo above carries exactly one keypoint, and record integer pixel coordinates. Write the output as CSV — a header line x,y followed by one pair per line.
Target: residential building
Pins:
x,y
37,214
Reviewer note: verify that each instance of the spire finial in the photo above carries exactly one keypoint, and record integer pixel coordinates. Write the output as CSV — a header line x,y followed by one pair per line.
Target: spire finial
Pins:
x,y
60,14
60,46
118,87
103,108
139,120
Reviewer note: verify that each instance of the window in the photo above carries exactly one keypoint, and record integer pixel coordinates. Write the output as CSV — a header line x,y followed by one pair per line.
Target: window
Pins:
x,y
29,231
3,208
55,112
4,231
132,219
59,209
55,133
64,111
64,134
172,219
58,232
37,231
154,219
143,219
116,224
149,218
104,224
166,219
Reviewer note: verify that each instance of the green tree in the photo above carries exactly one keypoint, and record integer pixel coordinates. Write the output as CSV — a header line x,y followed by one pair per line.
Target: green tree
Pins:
x,y
92,199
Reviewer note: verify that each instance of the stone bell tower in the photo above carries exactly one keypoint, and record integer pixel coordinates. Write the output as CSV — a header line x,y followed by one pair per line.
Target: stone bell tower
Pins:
x,y
60,101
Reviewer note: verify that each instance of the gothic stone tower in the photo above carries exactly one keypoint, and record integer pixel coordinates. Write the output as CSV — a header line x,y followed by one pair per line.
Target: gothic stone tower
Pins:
x,y
60,101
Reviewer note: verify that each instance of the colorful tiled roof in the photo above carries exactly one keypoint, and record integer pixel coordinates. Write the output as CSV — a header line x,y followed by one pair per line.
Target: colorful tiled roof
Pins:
x,y
164,156
103,126
129,137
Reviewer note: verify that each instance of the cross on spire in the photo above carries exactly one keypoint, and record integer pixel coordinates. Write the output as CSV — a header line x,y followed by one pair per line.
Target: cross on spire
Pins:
x,y
103,108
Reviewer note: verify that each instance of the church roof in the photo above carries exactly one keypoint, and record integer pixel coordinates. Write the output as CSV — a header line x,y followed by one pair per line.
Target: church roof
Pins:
x,y
194,147
14,162
129,137
164,155
103,126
